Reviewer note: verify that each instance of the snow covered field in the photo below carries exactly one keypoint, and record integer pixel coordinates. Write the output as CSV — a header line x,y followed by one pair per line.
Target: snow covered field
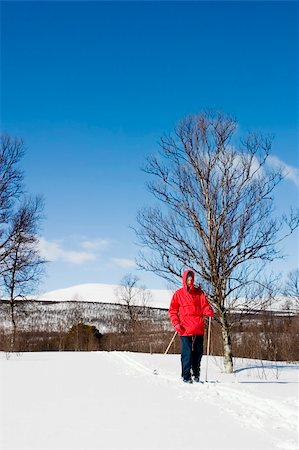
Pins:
x,y
101,400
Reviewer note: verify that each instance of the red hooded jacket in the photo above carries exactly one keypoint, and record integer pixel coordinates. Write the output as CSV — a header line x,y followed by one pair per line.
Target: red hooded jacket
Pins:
x,y
188,308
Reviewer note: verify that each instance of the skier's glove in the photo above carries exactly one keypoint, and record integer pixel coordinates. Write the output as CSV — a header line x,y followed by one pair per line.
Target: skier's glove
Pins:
x,y
179,328
209,313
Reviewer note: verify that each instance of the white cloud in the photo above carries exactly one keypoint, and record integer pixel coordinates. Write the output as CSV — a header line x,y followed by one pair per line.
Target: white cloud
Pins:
x,y
95,244
239,162
242,160
53,251
290,172
123,262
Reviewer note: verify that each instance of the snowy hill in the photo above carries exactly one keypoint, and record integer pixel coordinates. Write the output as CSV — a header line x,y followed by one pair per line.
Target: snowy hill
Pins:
x,y
104,293
115,401
160,298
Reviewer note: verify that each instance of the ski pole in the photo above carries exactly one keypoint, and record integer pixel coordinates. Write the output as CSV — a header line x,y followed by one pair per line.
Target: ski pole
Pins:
x,y
208,348
170,343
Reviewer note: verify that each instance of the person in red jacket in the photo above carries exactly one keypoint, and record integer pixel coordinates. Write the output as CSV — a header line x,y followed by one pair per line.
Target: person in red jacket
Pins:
x,y
187,309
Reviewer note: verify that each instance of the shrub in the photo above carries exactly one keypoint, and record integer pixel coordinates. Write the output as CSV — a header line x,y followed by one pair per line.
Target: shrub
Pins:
x,y
82,337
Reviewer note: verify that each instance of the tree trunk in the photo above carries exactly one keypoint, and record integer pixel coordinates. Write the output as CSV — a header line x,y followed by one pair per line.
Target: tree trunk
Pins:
x,y
227,346
13,337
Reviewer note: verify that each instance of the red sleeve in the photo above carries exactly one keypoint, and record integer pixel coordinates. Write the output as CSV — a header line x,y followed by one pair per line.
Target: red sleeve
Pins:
x,y
174,310
206,308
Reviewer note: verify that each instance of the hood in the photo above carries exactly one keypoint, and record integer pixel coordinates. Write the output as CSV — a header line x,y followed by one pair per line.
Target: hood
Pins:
x,y
184,278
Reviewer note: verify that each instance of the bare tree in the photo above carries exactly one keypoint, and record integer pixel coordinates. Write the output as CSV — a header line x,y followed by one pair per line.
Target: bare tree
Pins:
x,y
22,267
215,211
291,289
20,261
133,296
11,187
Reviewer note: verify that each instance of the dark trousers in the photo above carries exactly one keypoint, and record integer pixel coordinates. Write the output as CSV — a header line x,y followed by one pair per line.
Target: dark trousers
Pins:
x,y
191,353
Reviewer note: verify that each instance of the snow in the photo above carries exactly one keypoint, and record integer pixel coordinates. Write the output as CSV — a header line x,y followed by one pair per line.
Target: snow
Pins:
x,y
114,400
104,293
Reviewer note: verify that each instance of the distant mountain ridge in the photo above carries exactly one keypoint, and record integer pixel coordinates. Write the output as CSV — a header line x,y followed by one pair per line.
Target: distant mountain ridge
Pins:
x,y
103,293
160,298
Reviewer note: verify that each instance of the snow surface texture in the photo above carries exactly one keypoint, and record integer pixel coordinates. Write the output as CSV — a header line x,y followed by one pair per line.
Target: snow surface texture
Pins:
x,y
135,401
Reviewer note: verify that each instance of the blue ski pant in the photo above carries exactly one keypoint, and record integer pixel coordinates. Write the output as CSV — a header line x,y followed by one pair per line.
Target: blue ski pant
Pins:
x,y
191,354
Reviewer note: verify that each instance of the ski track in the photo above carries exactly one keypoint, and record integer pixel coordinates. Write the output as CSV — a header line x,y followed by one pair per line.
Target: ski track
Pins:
x,y
251,410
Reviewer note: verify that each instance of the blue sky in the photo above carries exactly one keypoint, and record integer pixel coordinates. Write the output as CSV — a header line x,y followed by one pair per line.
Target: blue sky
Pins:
x,y
91,86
